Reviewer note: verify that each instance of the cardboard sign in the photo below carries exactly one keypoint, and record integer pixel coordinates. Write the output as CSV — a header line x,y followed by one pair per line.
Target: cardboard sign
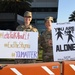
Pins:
x,y
63,36
18,45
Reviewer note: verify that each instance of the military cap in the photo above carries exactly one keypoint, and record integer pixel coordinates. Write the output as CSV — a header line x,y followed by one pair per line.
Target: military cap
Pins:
x,y
49,18
28,13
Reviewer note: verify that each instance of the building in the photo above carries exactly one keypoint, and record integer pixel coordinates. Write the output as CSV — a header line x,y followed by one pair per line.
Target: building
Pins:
x,y
8,21
42,9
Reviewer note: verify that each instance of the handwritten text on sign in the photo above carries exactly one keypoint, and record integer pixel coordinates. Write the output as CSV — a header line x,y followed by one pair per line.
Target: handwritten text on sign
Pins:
x,y
16,44
63,35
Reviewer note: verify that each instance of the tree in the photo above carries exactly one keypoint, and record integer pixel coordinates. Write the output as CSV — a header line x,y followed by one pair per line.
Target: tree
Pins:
x,y
72,17
16,6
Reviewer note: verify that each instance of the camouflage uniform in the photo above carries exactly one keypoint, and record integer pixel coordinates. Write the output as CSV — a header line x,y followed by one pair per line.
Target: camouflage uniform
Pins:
x,y
46,41
29,29
47,47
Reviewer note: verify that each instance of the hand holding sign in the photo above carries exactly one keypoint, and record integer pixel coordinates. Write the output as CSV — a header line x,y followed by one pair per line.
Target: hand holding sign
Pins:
x,y
50,42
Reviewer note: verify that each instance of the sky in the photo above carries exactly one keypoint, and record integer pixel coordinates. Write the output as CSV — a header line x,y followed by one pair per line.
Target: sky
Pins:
x,y
65,8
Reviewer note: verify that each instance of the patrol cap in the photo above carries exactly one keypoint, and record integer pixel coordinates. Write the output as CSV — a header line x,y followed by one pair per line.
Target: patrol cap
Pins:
x,y
28,14
49,18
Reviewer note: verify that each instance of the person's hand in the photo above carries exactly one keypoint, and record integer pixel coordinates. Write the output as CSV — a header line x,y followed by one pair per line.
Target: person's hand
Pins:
x,y
50,42
3,65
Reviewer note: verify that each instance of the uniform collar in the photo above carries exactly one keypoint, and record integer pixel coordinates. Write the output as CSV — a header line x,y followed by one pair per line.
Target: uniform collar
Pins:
x,y
29,27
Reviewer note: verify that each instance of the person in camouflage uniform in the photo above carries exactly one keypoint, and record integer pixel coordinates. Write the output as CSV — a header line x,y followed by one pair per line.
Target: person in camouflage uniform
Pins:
x,y
28,28
46,41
